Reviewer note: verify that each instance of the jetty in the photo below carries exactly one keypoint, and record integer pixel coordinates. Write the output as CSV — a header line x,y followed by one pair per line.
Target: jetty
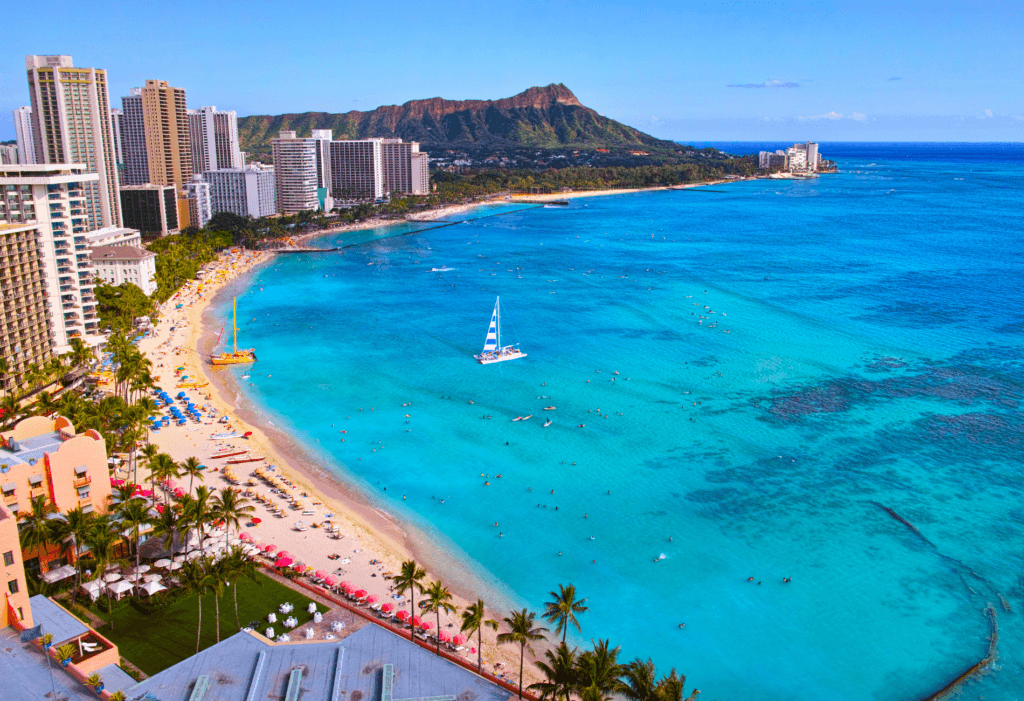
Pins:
x,y
292,249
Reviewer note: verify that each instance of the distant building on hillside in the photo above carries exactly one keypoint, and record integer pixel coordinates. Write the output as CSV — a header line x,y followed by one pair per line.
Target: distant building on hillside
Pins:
x,y
798,158
248,191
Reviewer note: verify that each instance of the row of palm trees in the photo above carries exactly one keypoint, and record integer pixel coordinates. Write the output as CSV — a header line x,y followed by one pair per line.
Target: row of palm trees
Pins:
x,y
36,375
589,675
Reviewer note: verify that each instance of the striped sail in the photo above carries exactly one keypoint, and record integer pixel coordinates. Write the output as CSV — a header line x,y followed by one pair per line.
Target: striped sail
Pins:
x,y
492,333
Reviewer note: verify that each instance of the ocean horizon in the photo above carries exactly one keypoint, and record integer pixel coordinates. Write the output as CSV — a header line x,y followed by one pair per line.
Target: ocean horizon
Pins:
x,y
817,380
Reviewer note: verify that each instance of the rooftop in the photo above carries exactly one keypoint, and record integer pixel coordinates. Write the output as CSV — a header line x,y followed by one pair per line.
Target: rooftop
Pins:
x,y
372,664
56,620
102,253
31,449
26,675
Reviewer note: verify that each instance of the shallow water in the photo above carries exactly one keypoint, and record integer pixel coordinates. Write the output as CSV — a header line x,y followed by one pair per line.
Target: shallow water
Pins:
x,y
872,363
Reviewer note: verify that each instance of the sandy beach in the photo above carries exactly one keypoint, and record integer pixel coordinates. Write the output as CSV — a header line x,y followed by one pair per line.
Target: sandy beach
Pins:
x,y
368,543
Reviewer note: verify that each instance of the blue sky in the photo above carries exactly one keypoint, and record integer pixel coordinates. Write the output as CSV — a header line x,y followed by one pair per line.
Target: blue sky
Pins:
x,y
897,70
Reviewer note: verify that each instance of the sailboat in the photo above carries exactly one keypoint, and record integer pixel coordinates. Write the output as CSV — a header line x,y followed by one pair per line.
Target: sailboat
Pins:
x,y
493,351
245,355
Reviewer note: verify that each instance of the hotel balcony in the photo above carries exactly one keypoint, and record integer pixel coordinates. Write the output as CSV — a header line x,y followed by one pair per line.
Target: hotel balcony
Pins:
x,y
87,501
82,481
37,492
10,499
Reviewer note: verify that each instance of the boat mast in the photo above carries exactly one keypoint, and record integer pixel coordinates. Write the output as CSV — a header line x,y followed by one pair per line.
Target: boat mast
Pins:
x,y
497,316
234,320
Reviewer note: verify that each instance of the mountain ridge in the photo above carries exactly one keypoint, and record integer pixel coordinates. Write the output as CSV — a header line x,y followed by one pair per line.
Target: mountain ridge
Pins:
x,y
547,117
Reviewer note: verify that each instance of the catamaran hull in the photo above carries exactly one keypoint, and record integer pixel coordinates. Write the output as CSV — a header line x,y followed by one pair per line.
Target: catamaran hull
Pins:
x,y
488,359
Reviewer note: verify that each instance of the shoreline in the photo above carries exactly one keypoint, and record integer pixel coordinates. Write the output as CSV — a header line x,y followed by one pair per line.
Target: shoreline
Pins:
x,y
368,529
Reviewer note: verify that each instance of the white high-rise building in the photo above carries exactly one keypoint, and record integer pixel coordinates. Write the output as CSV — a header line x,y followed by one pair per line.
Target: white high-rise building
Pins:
x,y
71,116
214,139
295,173
50,201
420,172
797,157
23,132
115,120
813,158
198,193
248,191
9,154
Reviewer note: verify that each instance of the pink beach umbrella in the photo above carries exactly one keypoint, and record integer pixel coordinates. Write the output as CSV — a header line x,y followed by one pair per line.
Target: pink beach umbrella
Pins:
x,y
270,548
346,585
416,621
284,562
371,599
402,615
284,553
426,625
300,568
320,574
443,636
330,581
387,608
458,639
360,594
245,536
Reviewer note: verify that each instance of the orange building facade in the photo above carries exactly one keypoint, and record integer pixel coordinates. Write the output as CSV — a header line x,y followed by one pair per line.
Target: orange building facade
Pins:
x,y
15,589
45,457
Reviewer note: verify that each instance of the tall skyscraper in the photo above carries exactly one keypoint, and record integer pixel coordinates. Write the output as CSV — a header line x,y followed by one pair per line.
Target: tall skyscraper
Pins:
x,y
71,115
295,173
115,123
48,201
133,140
406,170
199,206
214,137
168,146
23,132
247,191
357,172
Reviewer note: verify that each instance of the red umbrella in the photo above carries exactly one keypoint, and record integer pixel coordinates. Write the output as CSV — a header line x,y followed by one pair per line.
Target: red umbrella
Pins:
x,y
458,639
443,636
300,568
320,574
416,620
257,520
402,615
284,553
371,599
426,625
345,584
330,581
284,562
360,594
270,548
387,608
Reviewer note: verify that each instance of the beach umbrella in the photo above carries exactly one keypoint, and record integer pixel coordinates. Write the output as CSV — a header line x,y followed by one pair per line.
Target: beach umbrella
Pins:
x,y
345,584
361,593
320,574
174,566
387,608
139,569
300,568
270,548
284,553
152,578
181,395
443,636
402,615
426,625
284,562
179,558
162,563
371,599
416,621
330,581
112,577
257,521
245,536
458,639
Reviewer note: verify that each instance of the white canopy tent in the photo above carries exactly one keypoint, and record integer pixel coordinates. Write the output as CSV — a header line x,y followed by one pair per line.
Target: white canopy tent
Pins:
x,y
118,589
92,589
152,588
58,574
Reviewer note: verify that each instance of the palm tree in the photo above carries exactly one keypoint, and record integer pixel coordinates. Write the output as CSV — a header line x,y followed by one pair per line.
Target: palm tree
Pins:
x,y
410,579
166,527
598,671
438,599
216,585
521,631
163,468
473,621
231,507
11,408
559,672
148,454
638,681
192,469
671,688
73,530
80,354
103,540
5,369
195,580
37,528
238,566
134,514
197,512
562,609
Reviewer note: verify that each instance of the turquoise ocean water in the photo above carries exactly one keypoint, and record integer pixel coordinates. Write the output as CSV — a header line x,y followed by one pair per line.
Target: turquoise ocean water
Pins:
x,y
872,362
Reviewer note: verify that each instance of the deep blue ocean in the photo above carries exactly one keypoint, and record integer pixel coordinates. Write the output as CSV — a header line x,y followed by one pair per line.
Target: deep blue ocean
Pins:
x,y
818,380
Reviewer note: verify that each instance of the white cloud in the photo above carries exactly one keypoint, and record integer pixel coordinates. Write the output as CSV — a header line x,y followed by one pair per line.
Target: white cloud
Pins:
x,y
856,116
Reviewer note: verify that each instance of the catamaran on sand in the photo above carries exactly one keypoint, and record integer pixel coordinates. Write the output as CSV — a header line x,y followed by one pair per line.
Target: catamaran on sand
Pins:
x,y
493,351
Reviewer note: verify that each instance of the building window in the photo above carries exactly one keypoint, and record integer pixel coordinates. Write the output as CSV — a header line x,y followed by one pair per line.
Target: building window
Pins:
x,y
9,558
12,586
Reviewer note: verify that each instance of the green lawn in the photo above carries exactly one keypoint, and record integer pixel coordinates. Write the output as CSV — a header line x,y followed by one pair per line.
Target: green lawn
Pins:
x,y
156,640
